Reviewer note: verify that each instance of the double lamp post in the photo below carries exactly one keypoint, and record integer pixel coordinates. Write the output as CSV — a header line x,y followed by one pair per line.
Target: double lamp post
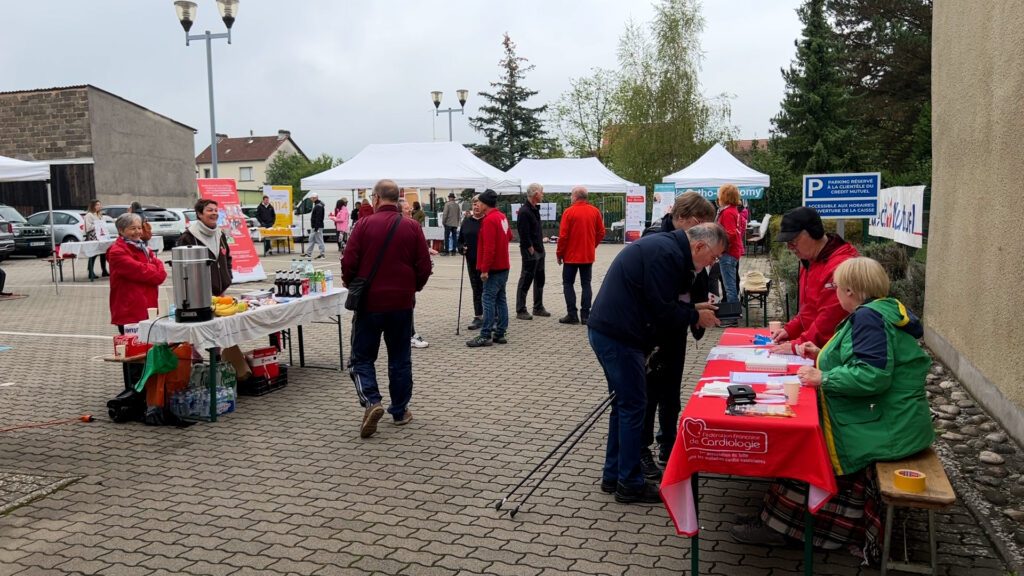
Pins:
x,y
436,96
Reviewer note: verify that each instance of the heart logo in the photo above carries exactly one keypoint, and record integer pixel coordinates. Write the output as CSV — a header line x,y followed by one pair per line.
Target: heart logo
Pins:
x,y
693,427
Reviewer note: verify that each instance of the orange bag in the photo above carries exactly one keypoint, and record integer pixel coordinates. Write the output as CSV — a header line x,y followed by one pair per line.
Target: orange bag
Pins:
x,y
160,388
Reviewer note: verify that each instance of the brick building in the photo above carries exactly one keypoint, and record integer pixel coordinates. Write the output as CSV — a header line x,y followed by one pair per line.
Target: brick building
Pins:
x,y
98,145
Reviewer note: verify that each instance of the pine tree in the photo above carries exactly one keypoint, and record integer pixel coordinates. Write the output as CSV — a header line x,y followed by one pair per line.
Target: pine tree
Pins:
x,y
514,131
813,132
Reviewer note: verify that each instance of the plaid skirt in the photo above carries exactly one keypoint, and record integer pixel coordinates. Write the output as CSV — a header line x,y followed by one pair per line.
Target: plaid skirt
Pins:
x,y
852,518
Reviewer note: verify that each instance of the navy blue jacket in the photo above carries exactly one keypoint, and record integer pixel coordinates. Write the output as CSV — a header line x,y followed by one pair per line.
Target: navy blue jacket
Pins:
x,y
639,301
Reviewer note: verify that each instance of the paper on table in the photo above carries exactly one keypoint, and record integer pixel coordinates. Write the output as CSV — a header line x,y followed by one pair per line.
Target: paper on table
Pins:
x,y
782,380
717,389
749,377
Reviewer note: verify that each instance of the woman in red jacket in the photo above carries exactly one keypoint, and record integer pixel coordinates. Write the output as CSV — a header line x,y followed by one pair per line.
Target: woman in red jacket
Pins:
x,y
730,219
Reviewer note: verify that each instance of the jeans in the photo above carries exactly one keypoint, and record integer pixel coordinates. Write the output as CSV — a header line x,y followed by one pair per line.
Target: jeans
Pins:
x,y
367,328
730,277
316,238
624,369
451,233
532,274
664,380
495,304
478,287
569,289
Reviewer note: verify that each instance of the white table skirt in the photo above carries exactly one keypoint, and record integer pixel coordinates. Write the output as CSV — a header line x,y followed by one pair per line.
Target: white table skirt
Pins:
x,y
225,331
98,247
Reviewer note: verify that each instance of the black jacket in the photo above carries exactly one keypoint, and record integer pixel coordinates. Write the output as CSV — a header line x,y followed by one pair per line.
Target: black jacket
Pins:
x,y
316,219
528,225
265,215
468,233
638,303
220,268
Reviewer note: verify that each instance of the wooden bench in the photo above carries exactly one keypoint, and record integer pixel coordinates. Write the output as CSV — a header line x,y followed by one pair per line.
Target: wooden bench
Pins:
x,y
938,495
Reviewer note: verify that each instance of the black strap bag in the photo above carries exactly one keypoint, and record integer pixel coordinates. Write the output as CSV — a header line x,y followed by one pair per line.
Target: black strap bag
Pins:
x,y
359,287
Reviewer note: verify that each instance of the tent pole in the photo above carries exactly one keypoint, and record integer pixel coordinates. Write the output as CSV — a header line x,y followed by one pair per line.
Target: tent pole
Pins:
x,y
53,235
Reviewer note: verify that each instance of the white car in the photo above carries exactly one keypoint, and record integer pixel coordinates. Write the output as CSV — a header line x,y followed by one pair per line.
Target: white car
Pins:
x,y
70,224
162,222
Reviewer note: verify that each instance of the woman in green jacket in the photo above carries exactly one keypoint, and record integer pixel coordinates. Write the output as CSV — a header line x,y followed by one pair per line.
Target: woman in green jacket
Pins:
x,y
870,377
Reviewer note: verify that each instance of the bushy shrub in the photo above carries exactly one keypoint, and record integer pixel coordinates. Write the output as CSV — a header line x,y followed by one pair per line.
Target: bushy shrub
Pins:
x,y
910,289
892,256
786,273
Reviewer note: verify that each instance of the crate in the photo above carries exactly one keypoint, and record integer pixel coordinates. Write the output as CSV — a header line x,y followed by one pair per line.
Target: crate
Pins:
x,y
259,386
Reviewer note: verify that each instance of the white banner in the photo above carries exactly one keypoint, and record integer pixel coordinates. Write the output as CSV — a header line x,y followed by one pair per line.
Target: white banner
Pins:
x,y
900,215
548,211
636,213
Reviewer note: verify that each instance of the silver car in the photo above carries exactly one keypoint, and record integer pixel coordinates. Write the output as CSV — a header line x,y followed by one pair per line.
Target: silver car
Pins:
x,y
70,224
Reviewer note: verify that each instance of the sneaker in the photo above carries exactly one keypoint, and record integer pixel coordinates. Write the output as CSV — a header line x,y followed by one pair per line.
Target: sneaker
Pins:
x,y
320,256
417,341
568,319
499,339
478,342
405,419
524,316
370,418
649,469
756,533
608,486
476,323
648,494
541,312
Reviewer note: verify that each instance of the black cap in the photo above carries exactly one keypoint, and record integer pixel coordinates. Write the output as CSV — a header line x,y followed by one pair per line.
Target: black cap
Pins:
x,y
451,194
796,221
489,197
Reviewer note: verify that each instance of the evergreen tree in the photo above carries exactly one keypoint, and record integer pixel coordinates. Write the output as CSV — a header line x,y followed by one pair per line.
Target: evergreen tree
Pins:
x,y
514,131
813,132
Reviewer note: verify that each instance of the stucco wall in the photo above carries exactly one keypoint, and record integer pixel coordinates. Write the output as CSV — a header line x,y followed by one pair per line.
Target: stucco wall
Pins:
x,y
140,155
975,287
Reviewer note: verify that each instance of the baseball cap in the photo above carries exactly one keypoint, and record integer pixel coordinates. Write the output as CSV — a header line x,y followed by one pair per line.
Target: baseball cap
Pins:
x,y
796,221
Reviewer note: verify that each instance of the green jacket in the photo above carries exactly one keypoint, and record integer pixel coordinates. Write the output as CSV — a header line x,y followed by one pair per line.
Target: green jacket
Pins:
x,y
872,390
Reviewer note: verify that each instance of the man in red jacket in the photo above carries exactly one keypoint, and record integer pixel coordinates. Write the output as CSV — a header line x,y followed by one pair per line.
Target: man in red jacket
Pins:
x,y
493,263
582,229
820,254
387,303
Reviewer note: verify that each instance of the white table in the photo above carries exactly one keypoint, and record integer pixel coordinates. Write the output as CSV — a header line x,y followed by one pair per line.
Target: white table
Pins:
x,y
91,248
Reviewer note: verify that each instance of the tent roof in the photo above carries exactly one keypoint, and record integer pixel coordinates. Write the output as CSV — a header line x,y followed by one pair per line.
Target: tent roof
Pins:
x,y
562,174
716,167
12,170
446,165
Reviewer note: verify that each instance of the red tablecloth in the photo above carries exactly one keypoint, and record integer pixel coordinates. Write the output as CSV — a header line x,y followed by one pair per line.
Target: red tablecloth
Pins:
x,y
709,440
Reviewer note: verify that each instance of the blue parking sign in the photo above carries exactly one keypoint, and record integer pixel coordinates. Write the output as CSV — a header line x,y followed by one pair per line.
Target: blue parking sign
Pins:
x,y
843,195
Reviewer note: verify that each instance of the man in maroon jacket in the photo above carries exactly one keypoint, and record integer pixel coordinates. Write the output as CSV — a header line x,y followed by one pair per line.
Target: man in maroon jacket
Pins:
x,y
387,303
493,263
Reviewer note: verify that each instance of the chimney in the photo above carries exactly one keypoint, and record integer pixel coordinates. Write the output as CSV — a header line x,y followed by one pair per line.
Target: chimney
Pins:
x,y
250,133
283,134
221,137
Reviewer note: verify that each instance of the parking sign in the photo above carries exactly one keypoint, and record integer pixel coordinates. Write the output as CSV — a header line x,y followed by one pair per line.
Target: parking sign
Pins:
x,y
843,195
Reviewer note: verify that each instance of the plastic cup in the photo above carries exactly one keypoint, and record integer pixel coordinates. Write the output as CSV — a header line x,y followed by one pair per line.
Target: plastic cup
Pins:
x,y
792,393
774,326
119,350
153,313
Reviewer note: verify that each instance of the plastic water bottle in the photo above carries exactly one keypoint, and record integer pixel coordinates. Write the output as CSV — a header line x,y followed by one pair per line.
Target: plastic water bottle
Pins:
x,y
329,280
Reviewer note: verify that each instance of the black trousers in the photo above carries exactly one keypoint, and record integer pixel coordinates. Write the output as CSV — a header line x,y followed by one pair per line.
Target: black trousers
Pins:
x,y
3,279
103,264
531,275
478,287
569,288
131,372
664,382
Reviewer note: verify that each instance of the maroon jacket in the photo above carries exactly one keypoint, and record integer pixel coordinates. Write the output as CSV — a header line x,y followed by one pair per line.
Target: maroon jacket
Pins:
x,y
134,282
406,265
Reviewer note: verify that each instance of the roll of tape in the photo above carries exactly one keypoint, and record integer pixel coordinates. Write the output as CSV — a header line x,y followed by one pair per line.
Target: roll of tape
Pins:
x,y
909,480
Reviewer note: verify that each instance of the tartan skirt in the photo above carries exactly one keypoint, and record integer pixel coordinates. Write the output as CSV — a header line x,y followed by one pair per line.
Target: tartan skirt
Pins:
x,y
852,518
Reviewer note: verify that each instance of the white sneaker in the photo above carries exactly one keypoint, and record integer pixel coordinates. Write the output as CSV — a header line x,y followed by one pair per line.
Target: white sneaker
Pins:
x,y
418,342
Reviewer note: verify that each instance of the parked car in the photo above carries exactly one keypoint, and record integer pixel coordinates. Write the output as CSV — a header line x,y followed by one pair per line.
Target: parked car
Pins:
x,y
70,224
6,239
163,222
28,239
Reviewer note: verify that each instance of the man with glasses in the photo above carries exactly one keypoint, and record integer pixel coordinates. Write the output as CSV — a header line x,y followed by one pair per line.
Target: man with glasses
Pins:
x,y
819,254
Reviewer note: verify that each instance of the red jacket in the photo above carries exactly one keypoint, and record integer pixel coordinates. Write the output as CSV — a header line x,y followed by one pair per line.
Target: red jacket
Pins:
x,y
735,228
134,282
582,229
492,242
365,210
406,265
820,311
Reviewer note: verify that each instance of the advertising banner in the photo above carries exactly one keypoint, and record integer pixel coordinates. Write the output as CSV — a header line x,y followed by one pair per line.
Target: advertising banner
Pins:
x,y
900,215
843,195
245,263
711,192
661,202
636,213
548,211
281,200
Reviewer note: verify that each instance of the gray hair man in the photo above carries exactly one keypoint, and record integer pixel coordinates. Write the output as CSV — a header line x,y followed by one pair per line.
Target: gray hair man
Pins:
x,y
581,230
531,248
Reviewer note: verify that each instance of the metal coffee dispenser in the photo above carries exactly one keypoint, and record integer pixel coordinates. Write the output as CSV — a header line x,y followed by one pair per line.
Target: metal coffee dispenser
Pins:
x,y
193,288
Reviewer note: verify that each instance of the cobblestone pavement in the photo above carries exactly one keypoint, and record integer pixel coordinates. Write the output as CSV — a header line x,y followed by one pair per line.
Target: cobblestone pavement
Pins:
x,y
285,485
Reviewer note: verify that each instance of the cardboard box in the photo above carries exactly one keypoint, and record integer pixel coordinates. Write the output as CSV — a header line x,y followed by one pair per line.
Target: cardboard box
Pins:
x,y
263,362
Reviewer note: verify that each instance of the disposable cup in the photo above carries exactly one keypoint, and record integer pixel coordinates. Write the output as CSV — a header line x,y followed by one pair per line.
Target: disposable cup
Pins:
x,y
774,325
153,312
792,393
119,350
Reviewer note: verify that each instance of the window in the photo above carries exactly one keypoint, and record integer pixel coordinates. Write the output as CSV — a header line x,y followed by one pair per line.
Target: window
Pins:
x,y
39,219
206,172
245,174
63,218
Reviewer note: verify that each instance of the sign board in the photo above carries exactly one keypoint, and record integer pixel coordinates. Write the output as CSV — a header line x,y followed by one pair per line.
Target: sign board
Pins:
x,y
711,192
840,196
662,200
245,263
900,215
281,200
548,210
636,213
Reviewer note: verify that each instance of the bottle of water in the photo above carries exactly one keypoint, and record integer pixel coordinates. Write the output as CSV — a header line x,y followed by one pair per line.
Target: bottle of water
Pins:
x,y
329,280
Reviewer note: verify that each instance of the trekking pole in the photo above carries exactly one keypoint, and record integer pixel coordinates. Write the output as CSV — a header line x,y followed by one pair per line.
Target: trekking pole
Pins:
x,y
462,278
600,408
512,513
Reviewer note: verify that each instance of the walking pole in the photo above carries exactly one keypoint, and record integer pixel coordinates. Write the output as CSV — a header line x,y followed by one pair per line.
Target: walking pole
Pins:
x,y
606,404
462,278
600,408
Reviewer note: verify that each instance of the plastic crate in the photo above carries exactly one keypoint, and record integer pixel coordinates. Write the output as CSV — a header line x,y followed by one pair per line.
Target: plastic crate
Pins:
x,y
258,386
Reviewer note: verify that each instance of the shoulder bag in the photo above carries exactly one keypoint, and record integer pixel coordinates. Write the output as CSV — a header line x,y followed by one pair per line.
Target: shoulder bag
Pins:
x,y
358,287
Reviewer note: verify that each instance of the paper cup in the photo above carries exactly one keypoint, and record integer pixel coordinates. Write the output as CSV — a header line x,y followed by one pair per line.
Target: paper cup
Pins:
x,y
153,313
792,393
119,350
774,326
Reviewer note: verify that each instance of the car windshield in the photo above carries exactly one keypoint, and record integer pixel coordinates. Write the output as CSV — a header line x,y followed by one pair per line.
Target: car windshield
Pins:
x,y
190,215
12,215
160,215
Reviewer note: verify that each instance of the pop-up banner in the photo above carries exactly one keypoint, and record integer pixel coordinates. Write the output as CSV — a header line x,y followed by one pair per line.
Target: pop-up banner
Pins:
x,y
636,213
900,215
245,263
281,200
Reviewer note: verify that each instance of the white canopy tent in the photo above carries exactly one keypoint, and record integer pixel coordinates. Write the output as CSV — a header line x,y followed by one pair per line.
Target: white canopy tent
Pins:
x,y
716,167
444,165
562,174
12,170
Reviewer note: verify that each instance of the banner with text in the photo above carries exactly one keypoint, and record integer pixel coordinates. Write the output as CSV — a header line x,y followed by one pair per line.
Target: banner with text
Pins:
x,y
281,200
245,263
900,215
711,192
636,213
661,202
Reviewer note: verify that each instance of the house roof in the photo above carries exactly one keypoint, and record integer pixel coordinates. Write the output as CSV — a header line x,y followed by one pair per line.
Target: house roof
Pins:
x,y
91,87
740,146
246,149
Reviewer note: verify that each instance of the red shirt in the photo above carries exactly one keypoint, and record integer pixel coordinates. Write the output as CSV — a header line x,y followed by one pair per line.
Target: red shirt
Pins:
x,y
581,230
492,242
134,282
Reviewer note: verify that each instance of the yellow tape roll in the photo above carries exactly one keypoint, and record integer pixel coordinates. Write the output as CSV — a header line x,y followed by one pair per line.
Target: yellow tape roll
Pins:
x,y
909,480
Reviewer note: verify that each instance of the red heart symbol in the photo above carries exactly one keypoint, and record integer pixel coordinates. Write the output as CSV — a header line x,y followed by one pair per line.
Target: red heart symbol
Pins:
x,y
694,428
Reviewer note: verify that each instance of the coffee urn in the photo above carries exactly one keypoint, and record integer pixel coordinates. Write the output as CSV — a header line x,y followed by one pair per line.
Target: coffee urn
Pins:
x,y
193,290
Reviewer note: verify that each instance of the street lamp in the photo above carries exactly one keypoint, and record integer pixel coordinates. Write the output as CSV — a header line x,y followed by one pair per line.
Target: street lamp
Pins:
x,y
187,16
436,96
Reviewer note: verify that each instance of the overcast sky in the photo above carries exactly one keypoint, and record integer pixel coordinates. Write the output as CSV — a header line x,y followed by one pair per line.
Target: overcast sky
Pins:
x,y
343,74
